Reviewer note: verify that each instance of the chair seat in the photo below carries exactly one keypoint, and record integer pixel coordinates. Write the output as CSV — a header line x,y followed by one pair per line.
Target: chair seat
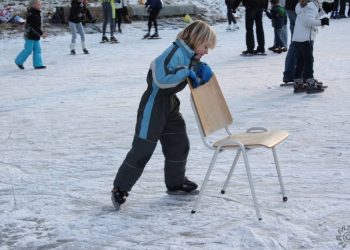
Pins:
x,y
254,139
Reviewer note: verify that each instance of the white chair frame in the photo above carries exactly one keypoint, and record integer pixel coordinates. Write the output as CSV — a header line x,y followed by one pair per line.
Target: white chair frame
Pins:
x,y
228,143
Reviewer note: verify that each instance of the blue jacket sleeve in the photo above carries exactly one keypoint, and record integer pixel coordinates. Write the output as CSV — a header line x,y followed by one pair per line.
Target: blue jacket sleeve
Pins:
x,y
169,73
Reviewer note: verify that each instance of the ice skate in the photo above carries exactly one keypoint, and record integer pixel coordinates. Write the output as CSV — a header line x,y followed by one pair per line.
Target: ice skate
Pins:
x,y
118,197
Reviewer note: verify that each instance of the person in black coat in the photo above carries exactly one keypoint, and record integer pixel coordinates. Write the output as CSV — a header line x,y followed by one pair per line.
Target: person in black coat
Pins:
x,y
32,35
230,17
253,14
154,7
76,15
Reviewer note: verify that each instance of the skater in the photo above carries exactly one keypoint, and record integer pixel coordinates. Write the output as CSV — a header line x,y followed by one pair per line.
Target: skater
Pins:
x,y
119,5
230,17
277,14
306,23
159,118
154,7
76,15
107,8
253,14
32,36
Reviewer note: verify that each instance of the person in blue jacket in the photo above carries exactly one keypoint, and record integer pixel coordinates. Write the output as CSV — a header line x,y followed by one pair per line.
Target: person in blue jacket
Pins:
x,y
154,7
159,118
32,36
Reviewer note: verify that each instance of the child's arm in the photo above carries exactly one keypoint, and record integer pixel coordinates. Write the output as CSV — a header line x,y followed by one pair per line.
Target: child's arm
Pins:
x,y
310,16
168,77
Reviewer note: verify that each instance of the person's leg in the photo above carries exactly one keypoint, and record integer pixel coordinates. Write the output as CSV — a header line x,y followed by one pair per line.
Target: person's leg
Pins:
x,y
25,53
119,18
249,23
73,29
134,163
37,60
299,56
259,30
335,10
175,146
155,15
308,60
279,42
291,16
229,15
290,62
110,18
81,32
284,36
342,8
105,17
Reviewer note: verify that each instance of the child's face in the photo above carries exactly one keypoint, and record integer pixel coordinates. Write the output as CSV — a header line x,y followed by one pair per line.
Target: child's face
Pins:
x,y
201,50
37,5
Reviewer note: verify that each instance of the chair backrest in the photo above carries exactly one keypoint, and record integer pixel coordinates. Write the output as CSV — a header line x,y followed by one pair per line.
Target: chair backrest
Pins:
x,y
210,105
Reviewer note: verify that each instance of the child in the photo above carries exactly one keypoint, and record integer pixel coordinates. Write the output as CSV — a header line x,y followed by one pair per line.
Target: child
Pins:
x,y
230,17
119,5
32,36
76,15
158,117
306,23
154,7
278,17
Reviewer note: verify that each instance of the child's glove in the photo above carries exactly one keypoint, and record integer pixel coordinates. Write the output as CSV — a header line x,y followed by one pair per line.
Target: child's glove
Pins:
x,y
325,21
196,81
205,72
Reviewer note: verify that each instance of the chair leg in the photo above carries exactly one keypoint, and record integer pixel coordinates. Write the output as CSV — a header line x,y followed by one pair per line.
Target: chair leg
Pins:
x,y
231,170
205,180
279,174
250,179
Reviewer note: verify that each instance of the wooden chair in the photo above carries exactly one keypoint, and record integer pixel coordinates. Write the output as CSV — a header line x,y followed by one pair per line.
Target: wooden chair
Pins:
x,y
212,114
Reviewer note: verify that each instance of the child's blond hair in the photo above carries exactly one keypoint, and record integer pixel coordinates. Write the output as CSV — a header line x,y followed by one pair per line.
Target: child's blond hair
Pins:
x,y
32,2
197,33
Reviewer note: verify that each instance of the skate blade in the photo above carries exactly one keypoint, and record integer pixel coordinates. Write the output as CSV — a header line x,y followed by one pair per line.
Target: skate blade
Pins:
x,y
194,192
115,203
288,84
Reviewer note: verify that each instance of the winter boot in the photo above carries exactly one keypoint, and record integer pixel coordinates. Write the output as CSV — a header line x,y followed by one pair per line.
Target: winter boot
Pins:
x,y
83,46
312,86
186,187
118,197
104,39
146,36
72,48
248,53
114,40
299,85
235,27
155,35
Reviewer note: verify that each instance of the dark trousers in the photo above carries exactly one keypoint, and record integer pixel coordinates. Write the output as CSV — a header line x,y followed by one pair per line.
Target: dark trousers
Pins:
x,y
118,16
289,66
278,37
167,126
254,15
107,18
230,17
152,18
342,8
305,60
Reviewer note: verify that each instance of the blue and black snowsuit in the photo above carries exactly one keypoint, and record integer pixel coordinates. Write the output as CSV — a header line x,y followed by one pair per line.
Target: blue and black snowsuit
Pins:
x,y
158,118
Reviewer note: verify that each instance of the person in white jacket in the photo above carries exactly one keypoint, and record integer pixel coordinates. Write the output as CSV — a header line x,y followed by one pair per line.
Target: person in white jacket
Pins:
x,y
309,17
